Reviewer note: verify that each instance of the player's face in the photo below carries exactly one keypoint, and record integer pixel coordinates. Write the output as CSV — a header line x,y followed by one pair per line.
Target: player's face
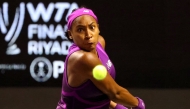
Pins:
x,y
85,32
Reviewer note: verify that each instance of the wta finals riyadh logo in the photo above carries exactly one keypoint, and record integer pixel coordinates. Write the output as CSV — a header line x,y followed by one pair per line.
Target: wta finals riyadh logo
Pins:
x,y
41,69
12,34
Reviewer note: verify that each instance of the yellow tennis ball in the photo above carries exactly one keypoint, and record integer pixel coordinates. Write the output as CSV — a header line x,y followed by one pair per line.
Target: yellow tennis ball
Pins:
x,y
99,72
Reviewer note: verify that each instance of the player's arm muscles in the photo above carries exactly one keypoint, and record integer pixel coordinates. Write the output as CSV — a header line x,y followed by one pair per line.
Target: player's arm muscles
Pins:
x,y
108,86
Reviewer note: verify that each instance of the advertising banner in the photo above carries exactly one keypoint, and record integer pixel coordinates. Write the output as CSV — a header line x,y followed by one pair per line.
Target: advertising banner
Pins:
x,y
147,41
33,42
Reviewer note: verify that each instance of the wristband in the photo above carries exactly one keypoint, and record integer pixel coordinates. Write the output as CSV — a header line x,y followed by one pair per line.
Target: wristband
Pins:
x,y
141,104
119,106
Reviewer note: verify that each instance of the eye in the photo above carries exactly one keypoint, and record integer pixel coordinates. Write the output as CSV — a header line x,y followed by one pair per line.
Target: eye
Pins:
x,y
79,29
92,27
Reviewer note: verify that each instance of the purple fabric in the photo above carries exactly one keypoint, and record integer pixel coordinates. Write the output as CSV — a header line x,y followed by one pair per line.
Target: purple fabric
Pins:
x,y
141,104
86,96
119,106
77,13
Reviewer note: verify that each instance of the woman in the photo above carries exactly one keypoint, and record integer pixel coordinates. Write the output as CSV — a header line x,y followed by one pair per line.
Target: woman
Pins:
x,y
79,89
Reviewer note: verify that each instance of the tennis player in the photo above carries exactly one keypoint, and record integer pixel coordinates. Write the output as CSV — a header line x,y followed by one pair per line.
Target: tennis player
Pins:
x,y
79,89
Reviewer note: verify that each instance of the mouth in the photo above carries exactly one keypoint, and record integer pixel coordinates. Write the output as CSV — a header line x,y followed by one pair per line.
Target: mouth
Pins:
x,y
90,42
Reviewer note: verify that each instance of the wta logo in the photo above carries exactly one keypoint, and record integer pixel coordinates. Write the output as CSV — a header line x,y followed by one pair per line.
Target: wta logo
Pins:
x,y
46,23
11,31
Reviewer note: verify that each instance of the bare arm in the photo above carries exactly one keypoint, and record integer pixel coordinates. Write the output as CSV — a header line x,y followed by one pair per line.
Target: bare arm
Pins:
x,y
84,62
108,86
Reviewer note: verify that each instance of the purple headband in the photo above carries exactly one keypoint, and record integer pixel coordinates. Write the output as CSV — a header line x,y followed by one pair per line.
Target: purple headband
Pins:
x,y
77,13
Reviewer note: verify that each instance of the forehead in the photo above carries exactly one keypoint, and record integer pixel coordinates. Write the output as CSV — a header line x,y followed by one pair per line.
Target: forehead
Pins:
x,y
83,20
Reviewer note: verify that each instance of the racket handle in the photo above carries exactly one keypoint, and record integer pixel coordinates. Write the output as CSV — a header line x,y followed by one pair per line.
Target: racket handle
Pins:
x,y
141,104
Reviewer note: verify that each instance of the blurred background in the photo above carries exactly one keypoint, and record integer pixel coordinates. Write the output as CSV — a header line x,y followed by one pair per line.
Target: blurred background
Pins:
x,y
148,42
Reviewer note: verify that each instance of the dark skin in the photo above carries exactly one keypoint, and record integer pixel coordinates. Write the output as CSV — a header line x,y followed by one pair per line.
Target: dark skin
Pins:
x,y
85,33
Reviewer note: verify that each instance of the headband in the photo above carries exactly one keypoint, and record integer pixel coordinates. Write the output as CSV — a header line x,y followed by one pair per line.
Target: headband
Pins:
x,y
77,13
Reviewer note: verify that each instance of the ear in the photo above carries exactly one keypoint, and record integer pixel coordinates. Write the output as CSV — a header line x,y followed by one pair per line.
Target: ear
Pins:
x,y
70,35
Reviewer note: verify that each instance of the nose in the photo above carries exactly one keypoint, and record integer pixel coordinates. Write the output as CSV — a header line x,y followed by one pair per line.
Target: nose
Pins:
x,y
88,34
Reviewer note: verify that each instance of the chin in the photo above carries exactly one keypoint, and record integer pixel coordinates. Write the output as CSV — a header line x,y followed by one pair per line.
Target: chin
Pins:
x,y
91,48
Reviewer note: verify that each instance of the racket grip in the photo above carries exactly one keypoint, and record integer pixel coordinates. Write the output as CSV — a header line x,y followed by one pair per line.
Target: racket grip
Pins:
x,y
141,104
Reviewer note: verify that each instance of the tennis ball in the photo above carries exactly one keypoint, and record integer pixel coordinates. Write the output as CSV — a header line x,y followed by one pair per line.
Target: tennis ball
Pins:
x,y
99,72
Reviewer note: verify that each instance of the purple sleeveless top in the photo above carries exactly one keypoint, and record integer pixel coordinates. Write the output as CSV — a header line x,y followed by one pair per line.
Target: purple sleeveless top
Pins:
x,y
87,95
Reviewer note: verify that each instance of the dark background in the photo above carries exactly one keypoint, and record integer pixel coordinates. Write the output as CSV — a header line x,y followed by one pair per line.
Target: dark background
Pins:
x,y
148,42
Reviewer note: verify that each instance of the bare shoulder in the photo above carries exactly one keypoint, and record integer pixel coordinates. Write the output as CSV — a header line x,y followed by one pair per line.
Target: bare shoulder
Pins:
x,y
101,40
80,66
88,59
84,61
